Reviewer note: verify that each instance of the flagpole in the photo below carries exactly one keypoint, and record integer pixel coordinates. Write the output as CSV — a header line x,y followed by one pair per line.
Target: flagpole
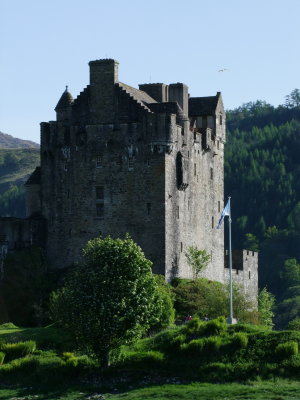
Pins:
x,y
230,264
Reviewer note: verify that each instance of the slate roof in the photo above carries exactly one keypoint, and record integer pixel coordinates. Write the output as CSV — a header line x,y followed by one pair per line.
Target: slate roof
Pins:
x,y
139,95
35,177
200,106
171,107
65,100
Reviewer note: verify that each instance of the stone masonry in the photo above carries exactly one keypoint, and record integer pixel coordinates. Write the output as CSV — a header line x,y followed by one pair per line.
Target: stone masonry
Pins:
x,y
146,161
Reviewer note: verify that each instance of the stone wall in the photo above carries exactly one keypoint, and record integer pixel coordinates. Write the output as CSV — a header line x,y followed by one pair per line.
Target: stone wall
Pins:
x,y
245,272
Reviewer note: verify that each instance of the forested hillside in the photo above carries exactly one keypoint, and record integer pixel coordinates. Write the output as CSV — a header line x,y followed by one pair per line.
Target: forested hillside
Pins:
x,y
10,142
262,174
15,167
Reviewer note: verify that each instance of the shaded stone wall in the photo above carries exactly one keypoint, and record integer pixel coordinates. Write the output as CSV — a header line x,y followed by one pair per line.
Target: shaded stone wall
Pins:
x,y
245,272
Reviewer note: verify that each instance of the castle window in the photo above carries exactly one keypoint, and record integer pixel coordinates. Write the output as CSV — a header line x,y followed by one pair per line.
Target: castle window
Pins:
x,y
130,163
148,208
221,120
177,211
99,192
212,222
218,144
67,136
249,275
98,161
252,253
219,206
181,247
247,253
211,173
179,170
195,169
100,210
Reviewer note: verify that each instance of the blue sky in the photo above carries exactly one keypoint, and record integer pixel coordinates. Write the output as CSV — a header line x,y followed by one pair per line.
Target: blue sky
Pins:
x,y
47,44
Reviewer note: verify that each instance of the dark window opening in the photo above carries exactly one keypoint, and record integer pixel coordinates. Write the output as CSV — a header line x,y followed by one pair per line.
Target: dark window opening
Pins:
x,y
99,192
249,275
212,222
221,119
195,169
148,208
219,206
179,170
177,211
130,163
98,161
211,173
181,247
67,136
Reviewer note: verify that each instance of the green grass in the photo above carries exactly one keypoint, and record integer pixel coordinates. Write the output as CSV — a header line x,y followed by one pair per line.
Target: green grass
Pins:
x,y
272,390
46,337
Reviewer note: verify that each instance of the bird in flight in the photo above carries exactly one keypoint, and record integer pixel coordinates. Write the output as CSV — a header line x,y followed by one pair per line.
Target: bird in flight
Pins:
x,y
223,70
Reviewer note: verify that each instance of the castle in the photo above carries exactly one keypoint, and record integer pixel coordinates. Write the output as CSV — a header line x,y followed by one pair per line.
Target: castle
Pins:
x,y
146,161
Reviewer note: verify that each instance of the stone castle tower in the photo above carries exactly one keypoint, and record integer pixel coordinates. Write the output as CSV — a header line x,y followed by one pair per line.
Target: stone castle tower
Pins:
x,y
148,162
117,159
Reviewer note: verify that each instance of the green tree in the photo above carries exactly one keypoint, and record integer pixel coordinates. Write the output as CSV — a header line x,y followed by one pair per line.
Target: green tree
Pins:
x,y
266,303
197,259
167,316
110,300
291,273
251,242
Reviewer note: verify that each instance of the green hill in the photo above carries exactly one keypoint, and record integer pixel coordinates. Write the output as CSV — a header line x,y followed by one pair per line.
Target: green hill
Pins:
x,y
15,167
262,175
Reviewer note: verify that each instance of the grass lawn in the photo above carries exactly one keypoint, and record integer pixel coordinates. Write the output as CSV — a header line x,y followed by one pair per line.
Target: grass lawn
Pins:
x,y
268,390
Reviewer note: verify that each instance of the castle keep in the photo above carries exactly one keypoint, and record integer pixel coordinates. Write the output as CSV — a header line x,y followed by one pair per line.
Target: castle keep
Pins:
x,y
146,161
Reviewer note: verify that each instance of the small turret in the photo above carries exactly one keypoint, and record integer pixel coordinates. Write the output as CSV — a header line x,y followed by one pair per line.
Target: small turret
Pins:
x,y
63,107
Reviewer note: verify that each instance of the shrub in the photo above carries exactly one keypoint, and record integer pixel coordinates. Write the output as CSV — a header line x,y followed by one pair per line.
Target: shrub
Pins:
x,y
70,359
17,350
147,359
194,347
239,341
193,326
123,299
8,325
286,350
2,356
215,327
294,325
205,346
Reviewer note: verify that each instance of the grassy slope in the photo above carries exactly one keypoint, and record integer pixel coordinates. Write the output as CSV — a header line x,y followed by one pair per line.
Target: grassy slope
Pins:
x,y
130,380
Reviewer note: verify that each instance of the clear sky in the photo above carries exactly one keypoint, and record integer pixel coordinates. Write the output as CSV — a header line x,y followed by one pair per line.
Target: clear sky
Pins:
x,y
47,44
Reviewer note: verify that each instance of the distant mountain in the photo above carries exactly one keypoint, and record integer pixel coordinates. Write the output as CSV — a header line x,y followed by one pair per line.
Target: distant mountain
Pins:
x,y
10,142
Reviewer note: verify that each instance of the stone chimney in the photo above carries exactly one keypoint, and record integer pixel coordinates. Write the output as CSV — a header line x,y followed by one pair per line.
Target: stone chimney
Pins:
x,y
103,76
179,92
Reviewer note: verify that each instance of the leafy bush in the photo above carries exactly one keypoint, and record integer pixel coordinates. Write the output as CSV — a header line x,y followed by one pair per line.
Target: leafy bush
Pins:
x,y
204,346
193,327
167,316
294,325
147,359
8,325
286,350
2,356
123,299
215,327
17,350
239,341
